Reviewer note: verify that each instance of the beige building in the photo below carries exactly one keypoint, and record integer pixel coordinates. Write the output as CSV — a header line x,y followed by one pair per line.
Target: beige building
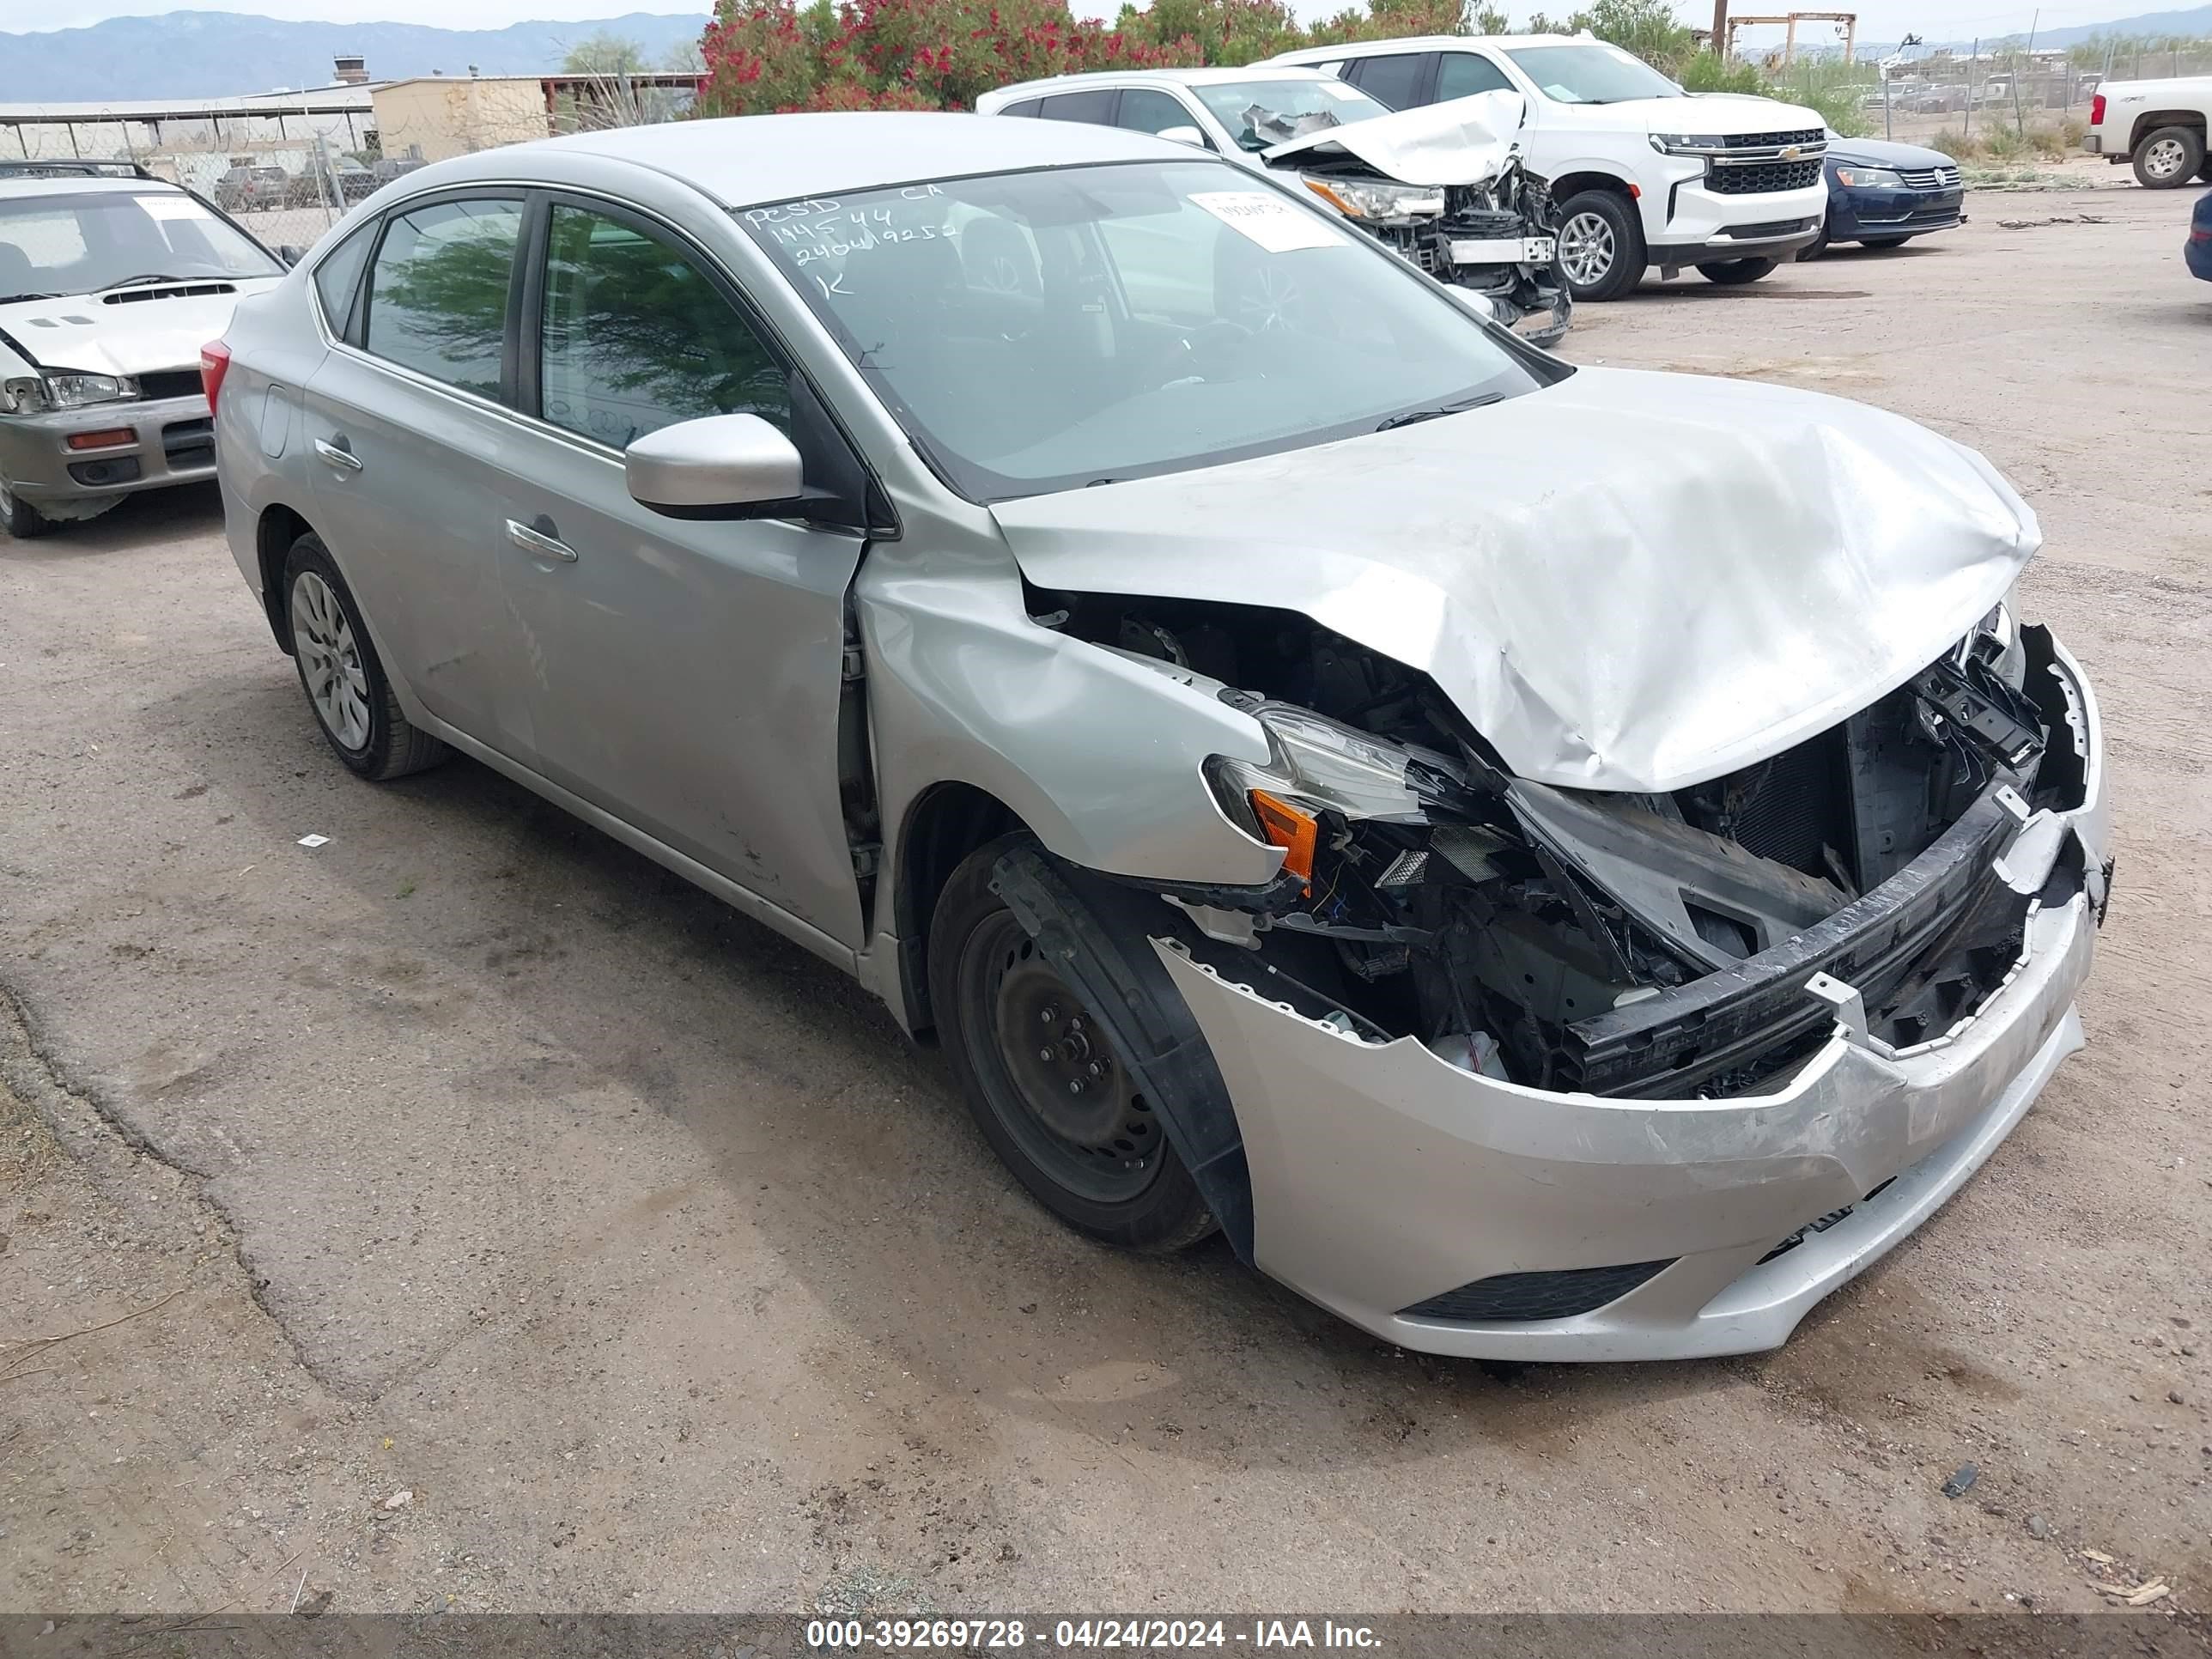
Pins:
x,y
436,117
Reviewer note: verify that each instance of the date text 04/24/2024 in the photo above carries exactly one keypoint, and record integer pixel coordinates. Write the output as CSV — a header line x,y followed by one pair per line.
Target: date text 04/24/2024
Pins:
x,y
1074,1635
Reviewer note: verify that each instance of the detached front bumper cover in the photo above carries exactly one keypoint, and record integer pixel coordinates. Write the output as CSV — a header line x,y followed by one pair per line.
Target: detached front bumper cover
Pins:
x,y
1388,1185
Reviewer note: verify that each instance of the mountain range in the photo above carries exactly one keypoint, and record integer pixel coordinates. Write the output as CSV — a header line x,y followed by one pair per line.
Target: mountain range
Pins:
x,y
208,54
212,54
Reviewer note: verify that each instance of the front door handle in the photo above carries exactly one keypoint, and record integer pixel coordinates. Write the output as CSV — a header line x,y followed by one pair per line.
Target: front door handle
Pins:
x,y
538,543
338,456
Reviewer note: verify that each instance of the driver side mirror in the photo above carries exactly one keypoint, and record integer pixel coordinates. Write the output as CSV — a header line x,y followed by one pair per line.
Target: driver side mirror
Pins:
x,y
723,466
1190,136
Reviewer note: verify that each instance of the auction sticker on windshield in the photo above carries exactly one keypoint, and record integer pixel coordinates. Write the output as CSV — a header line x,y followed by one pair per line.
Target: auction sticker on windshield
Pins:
x,y
1276,225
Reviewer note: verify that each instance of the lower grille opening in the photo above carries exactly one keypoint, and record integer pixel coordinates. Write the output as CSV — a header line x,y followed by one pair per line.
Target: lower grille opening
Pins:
x,y
189,443
1514,1298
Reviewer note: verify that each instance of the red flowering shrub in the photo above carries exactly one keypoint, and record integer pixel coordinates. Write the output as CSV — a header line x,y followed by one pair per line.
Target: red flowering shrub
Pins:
x,y
766,55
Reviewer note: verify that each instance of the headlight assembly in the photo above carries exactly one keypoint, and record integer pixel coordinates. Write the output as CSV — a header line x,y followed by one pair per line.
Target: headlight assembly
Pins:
x,y
1858,177
1377,204
66,391
24,395
1314,766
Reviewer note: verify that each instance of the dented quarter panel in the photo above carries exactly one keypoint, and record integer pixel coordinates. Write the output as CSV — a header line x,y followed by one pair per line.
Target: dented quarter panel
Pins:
x,y
1466,141
1626,580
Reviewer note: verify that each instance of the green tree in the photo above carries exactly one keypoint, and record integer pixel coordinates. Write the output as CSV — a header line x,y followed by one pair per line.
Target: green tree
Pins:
x,y
602,53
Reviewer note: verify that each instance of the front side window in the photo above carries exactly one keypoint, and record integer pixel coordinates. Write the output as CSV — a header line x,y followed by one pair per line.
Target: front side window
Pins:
x,y
1463,74
1144,109
437,297
53,246
1168,315
635,338
1260,113
1591,73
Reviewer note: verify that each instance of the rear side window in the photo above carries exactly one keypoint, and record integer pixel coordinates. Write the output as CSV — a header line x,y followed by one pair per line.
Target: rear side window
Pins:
x,y
1097,107
1463,74
338,276
437,300
1027,107
1394,79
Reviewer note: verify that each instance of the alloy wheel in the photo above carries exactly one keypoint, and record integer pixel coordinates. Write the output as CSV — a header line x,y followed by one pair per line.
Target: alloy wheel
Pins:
x,y
2163,160
330,661
1586,249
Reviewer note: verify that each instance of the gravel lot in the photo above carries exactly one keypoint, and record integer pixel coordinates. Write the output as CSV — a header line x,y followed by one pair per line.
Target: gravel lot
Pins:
x,y
504,1224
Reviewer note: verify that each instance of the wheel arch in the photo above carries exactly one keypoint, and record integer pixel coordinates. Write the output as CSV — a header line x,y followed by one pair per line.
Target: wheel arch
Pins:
x,y
274,532
944,824
1576,182
2152,120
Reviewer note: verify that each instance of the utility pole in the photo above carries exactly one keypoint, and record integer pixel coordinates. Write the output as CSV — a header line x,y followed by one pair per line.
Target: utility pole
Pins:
x,y
2019,74
1720,30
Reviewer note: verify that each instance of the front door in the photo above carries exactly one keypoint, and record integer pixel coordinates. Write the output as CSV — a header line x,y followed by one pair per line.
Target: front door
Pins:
x,y
684,675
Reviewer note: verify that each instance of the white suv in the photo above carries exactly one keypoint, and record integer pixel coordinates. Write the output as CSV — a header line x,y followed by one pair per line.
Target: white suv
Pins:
x,y
1644,174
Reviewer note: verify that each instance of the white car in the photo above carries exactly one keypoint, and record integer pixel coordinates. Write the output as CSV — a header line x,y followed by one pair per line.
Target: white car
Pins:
x,y
1645,173
111,280
2160,126
1444,186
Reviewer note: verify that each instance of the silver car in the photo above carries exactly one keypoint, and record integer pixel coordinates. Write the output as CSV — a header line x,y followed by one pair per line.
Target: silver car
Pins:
x,y
1556,863
110,280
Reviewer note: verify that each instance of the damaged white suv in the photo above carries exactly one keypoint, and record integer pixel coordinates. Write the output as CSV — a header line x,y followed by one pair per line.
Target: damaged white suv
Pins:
x,y
1555,863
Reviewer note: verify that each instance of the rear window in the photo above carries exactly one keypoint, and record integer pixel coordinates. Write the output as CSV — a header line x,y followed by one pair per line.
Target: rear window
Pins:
x,y
438,293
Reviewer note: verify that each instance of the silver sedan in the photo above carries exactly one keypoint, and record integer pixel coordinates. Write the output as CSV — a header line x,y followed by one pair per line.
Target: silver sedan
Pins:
x,y
1553,862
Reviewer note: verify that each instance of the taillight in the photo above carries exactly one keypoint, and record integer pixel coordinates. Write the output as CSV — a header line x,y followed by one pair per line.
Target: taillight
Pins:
x,y
2097,110
215,363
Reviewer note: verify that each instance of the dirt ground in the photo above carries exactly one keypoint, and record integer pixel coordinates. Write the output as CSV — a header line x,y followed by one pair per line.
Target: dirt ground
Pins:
x,y
464,1214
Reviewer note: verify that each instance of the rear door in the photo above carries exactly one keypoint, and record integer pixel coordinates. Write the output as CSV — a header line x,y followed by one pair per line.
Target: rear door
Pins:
x,y
404,421
684,675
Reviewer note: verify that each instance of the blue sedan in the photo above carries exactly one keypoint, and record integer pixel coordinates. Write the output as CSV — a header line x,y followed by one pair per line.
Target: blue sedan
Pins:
x,y
2197,251
1880,193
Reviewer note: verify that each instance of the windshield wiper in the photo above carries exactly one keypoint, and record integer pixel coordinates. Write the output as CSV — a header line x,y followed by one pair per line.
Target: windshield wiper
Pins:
x,y
1458,406
22,299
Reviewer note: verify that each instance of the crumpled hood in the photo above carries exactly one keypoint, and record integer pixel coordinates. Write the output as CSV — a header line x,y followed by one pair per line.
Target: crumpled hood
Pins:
x,y
1627,580
1463,140
138,336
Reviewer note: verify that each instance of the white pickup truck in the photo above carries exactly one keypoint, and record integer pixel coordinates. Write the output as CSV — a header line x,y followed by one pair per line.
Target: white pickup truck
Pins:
x,y
1644,172
2160,126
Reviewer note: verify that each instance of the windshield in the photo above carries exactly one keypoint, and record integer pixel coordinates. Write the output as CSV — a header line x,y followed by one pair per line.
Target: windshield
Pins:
x,y
1040,331
1262,113
1591,73
61,245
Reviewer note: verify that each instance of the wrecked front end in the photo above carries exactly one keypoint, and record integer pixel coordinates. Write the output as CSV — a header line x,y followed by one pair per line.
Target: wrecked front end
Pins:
x,y
1446,187
1529,1071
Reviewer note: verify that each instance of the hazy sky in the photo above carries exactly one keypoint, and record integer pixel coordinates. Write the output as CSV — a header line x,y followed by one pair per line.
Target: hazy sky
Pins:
x,y
1879,20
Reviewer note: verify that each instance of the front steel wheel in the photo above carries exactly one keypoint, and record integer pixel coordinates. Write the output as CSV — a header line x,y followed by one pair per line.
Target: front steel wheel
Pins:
x,y
1044,1080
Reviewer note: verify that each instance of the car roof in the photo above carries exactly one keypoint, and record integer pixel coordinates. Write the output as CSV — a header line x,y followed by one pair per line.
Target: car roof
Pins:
x,y
751,159
16,189
1425,43
1216,76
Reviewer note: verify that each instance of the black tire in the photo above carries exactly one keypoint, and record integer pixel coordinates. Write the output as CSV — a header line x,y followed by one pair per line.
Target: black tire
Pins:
x,y
2169,158
19,518
1015,1035
1618,215
1883,241
1730,272
1814,249
383,743
2204,172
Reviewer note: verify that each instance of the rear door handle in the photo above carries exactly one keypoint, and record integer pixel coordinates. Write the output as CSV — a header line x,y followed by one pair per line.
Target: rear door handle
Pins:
x,y
338,456
538,543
